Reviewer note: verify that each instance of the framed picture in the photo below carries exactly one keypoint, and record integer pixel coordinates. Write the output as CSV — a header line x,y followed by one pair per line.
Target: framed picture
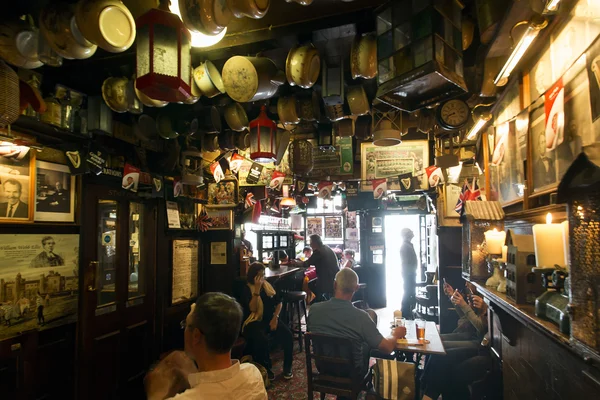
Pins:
x,y
38,270
17,175
314,226
506,169
221,219
410,156
184,282
54,193
223,194
333,228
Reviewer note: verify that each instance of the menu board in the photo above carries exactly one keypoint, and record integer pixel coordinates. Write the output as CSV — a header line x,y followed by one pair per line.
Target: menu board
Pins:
x,y
185,271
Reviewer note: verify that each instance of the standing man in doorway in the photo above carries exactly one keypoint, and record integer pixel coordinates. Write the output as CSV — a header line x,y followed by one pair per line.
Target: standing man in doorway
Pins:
x,y
408,258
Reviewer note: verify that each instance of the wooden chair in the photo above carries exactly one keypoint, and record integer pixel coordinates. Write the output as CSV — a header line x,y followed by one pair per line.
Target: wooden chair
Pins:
x,y
334,359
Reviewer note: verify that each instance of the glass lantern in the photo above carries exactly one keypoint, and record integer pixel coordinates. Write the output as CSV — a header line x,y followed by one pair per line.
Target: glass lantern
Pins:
x,y
263,142
163,59
191,167
419,52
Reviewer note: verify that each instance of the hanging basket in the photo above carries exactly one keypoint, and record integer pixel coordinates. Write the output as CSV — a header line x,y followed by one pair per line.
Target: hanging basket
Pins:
x,y
9,95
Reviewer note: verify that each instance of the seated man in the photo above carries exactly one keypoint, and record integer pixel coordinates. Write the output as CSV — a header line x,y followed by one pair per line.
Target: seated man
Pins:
x,y
206,369
338,317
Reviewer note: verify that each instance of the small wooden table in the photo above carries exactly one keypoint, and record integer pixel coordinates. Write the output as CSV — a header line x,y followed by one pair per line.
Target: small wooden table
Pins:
x,y
435,345
281,272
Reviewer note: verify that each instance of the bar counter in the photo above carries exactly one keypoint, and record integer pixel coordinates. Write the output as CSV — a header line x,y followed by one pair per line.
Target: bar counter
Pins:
x,y
531,357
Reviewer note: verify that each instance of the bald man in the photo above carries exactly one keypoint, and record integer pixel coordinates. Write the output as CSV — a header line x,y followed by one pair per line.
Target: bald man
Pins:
x,y
338,317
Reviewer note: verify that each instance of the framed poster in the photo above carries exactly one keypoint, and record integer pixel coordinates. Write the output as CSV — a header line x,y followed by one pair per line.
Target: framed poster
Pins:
x,y
314,226
451,196
17,177
267,171
333,228
223,194
218,253
184,283
506,178
54,193
221,219
410,156
39,282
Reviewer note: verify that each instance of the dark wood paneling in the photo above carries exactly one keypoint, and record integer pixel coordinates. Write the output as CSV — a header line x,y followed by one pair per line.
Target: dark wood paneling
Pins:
x,y
106,358
535,363
449,259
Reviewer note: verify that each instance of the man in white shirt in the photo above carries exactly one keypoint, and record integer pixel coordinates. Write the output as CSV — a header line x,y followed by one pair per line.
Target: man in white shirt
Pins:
x,y
211,329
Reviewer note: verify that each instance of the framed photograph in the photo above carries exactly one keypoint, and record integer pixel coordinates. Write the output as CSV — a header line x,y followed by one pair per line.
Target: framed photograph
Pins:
x,y
221,219
17,177
54,193
411,156
506,169
39,278
223,194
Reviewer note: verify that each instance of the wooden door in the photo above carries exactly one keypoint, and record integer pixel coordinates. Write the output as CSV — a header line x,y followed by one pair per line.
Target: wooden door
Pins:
x,y
117,306
373,236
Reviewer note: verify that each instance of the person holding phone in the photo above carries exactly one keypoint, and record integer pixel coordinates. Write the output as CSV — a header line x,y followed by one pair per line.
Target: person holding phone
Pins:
x,y
472,323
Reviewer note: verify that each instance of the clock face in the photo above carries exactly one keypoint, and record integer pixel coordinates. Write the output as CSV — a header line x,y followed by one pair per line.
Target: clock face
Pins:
x,y
454,114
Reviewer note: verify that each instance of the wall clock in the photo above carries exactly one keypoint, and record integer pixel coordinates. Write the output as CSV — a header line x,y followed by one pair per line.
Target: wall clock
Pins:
x,y
453,114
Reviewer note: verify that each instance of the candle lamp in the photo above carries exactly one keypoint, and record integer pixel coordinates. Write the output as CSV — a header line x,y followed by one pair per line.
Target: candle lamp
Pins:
x,y
549,242
496,258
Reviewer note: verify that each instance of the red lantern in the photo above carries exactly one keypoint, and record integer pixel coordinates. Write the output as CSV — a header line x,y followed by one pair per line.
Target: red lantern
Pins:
x,y
163,60
263,142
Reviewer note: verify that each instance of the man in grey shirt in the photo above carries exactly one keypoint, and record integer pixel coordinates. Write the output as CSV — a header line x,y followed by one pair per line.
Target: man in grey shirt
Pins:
x,y
338,317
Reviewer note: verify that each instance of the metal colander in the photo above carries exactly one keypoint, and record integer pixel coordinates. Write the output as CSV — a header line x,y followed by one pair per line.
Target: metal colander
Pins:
x,y
9,95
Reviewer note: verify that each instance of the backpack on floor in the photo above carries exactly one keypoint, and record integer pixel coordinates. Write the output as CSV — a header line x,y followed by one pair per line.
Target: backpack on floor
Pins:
x,y
394,380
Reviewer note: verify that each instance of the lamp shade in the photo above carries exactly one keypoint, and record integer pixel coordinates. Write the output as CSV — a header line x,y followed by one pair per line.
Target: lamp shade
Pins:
x,y
263,143
163,59
386,135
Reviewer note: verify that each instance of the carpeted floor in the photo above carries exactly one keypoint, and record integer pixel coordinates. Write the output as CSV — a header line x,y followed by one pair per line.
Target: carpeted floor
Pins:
x,y
295,388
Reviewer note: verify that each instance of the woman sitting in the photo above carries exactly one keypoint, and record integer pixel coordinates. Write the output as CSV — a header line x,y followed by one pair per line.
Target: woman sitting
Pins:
x,y
348,259
262,306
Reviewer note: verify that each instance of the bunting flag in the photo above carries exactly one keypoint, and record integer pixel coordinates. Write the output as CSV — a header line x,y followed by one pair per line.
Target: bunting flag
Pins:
x,y
236,163
379,188
277,179
325,189
468,193
249,201
217,171
434,175
407,182
131,178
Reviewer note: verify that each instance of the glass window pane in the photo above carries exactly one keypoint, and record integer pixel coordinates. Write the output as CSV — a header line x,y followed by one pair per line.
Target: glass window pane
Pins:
x,y
386,70
137,263
385,45
106,273
402,36
384,21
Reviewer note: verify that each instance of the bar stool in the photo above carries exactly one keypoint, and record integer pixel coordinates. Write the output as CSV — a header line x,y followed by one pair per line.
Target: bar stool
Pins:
x,y
293,302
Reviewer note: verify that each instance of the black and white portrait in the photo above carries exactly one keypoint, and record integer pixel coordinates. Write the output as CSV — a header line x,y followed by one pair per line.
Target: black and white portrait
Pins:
x,y
15,180
54,193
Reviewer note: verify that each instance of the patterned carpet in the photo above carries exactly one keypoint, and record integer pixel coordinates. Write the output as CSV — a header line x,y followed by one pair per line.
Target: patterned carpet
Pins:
x,y
295,388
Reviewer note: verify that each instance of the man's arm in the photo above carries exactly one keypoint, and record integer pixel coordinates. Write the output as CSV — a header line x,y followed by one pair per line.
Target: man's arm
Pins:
x,y
169,377
375,339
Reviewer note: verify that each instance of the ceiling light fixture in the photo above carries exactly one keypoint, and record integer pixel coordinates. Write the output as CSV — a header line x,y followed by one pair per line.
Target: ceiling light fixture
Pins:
x,y
481,118
198,39
536,24
551,5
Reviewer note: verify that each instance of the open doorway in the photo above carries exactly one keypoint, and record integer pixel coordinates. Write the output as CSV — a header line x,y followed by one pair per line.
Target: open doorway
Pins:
x,y
393,269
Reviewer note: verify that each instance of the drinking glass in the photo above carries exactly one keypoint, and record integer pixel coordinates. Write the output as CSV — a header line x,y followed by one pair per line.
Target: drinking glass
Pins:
x,y
420,324
398,322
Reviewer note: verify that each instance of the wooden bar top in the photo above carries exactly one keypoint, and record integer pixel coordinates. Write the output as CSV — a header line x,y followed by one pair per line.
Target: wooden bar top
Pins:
x,y
281,272
525,313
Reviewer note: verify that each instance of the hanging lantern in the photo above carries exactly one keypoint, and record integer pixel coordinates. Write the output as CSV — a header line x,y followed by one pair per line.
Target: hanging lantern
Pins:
x,y
163,57
262,138
301,157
